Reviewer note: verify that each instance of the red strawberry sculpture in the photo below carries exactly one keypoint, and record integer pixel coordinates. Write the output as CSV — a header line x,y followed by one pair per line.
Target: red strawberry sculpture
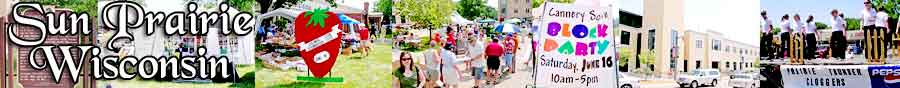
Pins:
x,y
317,35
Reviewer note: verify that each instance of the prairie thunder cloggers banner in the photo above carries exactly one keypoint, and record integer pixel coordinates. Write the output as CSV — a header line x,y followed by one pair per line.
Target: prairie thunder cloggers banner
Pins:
x,y
841,76
575,46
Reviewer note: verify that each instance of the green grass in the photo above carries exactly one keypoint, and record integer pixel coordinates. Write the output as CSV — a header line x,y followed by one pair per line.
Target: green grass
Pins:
x,y
358,71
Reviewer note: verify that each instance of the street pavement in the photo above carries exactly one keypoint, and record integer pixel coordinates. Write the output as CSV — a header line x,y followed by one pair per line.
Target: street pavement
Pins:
x,y
669,83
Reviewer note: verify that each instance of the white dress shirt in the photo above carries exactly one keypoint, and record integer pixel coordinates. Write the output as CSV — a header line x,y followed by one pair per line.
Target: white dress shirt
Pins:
x,y
837,24
881,19
868,17
766,25
785,26
799,26
810,27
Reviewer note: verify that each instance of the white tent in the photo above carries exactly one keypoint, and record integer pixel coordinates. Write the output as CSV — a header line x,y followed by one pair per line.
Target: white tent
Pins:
x,y
457,19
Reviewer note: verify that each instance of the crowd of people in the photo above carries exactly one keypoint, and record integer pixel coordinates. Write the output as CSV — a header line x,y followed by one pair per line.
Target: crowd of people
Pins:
x,y
483,54
796,33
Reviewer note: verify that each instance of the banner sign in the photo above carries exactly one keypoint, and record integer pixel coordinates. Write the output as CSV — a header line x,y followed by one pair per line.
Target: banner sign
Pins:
x,y
575,46
885,76
841,76
818,76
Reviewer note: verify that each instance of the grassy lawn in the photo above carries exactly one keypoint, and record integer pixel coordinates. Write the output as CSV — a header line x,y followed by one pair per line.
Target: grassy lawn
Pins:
x,y
137,83
357,70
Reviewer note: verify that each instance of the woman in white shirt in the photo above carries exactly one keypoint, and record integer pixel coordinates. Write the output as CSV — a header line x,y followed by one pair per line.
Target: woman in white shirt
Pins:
x,y
799,25
838,38
810,38
881,26
766,37
799,28
868,25
784,35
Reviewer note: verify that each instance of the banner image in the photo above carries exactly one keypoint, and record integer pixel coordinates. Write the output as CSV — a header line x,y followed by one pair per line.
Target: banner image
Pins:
x,y
811,76
574,46
857,76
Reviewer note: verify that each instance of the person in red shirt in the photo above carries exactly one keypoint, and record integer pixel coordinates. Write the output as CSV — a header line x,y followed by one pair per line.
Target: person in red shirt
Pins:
x,y
364,40
450,38
494,51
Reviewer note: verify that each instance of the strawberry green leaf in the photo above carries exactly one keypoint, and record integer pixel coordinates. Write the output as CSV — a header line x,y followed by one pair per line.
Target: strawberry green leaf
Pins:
x,y
317,17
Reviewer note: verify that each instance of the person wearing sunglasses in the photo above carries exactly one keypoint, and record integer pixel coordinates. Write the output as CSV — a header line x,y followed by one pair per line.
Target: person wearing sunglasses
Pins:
x,y
868,20
408,75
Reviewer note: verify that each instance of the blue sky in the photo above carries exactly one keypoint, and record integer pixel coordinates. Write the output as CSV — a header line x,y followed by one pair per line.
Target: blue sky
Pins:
x,y
819,8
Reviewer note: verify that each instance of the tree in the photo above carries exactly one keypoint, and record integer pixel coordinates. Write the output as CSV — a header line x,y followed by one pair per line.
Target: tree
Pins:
x,y
426,13
625,55
386,7
536,3
890,6
820,26
242,5
265,5
77,6
648,58
852,23
472,9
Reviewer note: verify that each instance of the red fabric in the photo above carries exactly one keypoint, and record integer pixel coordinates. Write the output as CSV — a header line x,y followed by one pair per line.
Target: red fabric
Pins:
x,y
363,33
436,38
494,49
450,39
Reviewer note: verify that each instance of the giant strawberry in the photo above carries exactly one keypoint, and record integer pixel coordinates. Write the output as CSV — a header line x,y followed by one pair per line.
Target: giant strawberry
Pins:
x,y
317,36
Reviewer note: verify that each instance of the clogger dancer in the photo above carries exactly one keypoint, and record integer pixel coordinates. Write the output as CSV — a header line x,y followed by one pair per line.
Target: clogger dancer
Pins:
x,y
838,38
868,21
810,38
796,39
784,35
881,28
766,37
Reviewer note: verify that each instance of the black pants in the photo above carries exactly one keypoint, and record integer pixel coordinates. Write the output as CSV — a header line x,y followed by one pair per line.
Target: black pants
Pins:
x,y
767,46
887,36
872,42
785,37
809,51
838,44
883,44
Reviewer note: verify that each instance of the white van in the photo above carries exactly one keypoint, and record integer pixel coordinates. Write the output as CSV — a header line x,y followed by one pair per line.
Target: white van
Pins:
x,y
699,77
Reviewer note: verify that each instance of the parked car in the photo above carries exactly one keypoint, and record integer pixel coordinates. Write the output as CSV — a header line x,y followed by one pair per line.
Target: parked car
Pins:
x,y
699,77
744,81
628,81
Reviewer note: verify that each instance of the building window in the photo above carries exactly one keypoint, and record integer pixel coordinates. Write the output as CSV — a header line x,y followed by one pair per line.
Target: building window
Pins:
x,y
715,64
716,44
697,65
727,64
699,43
685,66
625,38
651,42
